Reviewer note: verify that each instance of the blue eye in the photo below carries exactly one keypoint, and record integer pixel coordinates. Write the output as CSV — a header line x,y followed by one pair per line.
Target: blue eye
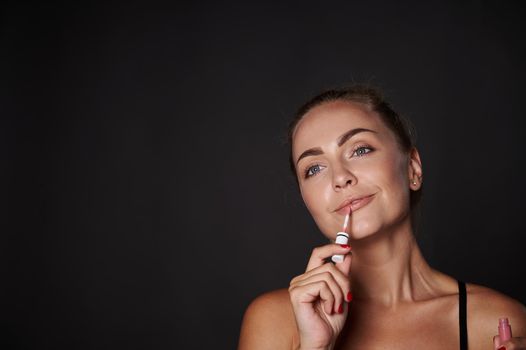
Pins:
x,y
313,170
363,150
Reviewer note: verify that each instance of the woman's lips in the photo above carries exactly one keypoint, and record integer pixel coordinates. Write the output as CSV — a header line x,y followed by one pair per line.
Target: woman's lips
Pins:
x,y
356,204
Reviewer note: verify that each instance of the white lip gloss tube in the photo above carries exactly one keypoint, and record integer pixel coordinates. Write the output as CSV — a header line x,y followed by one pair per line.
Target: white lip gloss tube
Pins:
x,y
342,238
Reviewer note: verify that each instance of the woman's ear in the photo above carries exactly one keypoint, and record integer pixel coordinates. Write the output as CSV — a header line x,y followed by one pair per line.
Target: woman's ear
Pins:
x,y
415,170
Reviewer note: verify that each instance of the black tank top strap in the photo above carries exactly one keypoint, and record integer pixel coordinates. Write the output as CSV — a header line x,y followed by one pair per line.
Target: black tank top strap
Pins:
x,y
462,315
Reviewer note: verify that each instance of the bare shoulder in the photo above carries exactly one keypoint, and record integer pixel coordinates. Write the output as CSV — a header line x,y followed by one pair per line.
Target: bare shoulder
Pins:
x,y
485,307
269,322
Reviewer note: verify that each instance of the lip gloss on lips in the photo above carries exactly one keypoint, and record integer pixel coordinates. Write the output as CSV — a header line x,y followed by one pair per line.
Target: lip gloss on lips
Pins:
x,y
504,330
342,237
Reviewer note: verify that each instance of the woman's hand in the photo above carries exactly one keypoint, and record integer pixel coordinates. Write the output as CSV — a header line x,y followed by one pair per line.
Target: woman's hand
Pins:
x,y
512,344
319,297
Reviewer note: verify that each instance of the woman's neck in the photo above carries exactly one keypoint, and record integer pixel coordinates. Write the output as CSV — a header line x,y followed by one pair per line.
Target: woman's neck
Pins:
x,y
389,269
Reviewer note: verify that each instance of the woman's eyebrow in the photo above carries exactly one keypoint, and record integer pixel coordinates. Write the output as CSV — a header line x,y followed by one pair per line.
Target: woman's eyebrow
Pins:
x,y
346,136
341,140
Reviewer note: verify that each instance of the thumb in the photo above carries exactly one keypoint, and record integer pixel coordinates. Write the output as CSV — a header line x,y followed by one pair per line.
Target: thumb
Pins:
x,y
345,265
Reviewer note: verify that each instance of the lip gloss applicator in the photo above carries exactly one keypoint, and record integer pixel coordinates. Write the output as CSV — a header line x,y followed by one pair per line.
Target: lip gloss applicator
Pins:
x,y
342,237
504,330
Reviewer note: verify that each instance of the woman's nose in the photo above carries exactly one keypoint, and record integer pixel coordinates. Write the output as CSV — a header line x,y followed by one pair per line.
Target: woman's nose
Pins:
x,y
342,177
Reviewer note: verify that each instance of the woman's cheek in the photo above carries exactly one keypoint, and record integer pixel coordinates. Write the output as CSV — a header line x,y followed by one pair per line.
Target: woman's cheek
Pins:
x,y
317,200
308,194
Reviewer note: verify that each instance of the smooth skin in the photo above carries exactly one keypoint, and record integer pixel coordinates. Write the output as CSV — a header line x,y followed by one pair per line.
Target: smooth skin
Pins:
x,y
398,300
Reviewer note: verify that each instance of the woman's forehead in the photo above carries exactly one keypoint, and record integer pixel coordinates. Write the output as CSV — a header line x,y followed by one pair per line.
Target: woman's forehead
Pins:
x,y
323,124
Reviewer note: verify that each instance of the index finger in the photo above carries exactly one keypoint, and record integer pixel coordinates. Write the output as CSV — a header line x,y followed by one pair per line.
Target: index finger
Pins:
x,y
320,254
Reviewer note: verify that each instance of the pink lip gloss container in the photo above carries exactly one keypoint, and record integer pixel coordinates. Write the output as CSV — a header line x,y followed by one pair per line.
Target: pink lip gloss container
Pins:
x,y
504,330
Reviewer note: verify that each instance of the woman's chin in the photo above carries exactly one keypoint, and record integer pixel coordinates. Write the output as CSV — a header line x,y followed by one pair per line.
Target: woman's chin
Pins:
x,y
363,229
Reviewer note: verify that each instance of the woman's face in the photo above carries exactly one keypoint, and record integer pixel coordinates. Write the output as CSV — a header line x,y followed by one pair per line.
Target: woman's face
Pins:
x,y
346,156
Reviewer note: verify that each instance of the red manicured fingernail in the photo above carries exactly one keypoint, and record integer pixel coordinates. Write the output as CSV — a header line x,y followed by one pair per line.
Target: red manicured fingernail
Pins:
x,y
349,296
502,348
340,309
344,245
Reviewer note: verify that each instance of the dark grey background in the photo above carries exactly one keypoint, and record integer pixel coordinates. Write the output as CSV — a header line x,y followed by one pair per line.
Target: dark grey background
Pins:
x,y
146,196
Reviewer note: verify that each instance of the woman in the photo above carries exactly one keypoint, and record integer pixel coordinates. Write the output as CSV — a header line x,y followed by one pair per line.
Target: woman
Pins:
x,y
351,152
